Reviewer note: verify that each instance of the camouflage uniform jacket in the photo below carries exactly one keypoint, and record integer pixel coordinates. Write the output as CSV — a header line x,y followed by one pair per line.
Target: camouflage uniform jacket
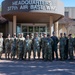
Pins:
x,y
20,43
48,43
36,42
70,42
14,42
62,42
8,43
27,44
1,44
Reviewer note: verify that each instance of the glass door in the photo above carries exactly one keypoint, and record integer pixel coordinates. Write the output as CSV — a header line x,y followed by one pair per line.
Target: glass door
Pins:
x,y
24,30
28,29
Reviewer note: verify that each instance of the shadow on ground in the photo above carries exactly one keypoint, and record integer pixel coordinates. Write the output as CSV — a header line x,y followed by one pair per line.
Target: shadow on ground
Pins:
x,y
37,67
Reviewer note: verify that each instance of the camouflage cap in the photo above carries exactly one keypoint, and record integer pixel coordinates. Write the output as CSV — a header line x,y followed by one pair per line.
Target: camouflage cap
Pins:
x,y
22,33
36,33
44,33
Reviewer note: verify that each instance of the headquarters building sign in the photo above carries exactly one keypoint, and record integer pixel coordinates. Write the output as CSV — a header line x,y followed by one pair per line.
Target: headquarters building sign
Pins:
x,y
27,5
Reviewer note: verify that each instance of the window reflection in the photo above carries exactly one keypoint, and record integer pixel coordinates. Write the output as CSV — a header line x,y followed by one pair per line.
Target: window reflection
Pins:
x,y
42,29
24,28
18,28
36,29
30,28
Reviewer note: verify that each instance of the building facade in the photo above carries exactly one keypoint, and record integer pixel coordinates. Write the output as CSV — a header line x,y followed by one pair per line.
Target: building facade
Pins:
x,y
67,24
30,16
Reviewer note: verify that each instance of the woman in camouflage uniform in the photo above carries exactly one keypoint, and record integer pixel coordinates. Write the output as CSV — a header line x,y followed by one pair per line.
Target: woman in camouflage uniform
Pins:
x,y
62,46
7,46
27,47
1,44
36,45
48,48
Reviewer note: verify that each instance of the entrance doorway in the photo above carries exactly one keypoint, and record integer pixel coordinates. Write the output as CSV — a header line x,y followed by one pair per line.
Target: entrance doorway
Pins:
x,y
33,28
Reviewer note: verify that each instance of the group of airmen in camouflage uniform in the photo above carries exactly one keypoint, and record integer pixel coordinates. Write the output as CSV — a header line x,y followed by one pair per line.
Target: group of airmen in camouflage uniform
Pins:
x,y
48,45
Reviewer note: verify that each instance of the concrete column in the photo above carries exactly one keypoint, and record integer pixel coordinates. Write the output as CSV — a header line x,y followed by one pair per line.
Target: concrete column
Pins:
x,y
51,25
14,24
10,28
6,31
56,28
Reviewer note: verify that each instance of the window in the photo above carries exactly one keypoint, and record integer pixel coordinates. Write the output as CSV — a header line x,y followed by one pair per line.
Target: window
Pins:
x,y
30,28
67,14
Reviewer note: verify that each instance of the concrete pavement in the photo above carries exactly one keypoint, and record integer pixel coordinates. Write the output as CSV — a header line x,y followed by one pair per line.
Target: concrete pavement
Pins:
x,y
37,67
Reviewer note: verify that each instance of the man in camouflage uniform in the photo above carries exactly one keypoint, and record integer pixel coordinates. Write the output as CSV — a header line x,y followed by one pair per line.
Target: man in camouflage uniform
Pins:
x,y
31,38
23,38
7,46
1,44
36,45
48,48
18,36
66,47
13,46
62,46
74,44
20,44
70,47
43,44
41,37
54,46
27,47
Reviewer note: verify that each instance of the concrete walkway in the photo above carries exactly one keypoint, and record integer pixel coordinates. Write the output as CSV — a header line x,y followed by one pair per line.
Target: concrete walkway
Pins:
x,y
37,67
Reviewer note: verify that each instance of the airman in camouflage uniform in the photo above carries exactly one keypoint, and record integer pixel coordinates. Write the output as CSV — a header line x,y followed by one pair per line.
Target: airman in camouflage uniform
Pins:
x,y
20,47
1,44
27,47
62,46
41,37
13,46
7,46
17,45
43,44
54,46
70,47
66,47
36,45
22,37
74,45
48,48
31,38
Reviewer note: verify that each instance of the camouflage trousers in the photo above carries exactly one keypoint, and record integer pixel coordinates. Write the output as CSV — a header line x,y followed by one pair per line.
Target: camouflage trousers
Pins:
x,y
27,51
43,52
48,54
7,52
62,53
36,49
17,52
1,49
71,53
13,52
20,52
